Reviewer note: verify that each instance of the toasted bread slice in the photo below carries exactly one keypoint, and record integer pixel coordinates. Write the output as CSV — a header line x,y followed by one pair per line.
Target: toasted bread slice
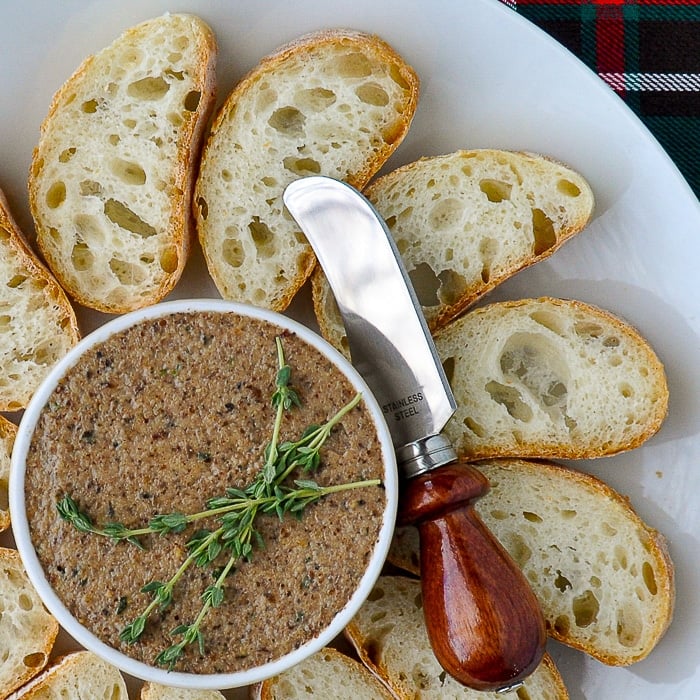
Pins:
x,y
466,221
390,637
603,578
334,103
80,675
327,674
153,691
8,432
550,378
38,322
111,180
27,630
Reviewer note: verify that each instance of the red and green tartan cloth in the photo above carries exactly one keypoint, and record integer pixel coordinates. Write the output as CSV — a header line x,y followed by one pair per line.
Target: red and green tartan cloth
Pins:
x,y
647,51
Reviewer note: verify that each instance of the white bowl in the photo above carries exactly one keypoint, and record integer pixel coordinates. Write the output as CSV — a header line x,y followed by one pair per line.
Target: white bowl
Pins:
x,y
89,640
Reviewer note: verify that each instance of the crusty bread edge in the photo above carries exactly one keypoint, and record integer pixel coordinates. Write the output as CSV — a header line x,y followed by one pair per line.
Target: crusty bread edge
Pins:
x,y
30,674
658,373
657,547
181,226
471,296
268,64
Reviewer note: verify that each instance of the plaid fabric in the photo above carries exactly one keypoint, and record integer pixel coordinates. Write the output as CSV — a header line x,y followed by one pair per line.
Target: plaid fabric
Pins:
x,y
648,51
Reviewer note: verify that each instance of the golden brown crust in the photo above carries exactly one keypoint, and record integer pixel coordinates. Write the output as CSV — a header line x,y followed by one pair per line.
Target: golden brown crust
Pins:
x,y
594,447
8,432
405,554
44,639
181,230
268,65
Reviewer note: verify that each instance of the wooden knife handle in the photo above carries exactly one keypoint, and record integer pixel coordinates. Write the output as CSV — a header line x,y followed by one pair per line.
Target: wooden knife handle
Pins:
x,y
483,620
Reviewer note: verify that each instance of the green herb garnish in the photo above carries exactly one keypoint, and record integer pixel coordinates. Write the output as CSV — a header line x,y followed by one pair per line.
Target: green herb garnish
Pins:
x,y
273,491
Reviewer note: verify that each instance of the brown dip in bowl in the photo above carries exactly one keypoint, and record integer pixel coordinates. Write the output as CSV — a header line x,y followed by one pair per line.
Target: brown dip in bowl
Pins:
x,y
159,411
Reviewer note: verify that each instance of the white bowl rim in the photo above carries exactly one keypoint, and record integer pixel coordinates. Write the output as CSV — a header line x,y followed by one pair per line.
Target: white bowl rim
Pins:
x,y
89,640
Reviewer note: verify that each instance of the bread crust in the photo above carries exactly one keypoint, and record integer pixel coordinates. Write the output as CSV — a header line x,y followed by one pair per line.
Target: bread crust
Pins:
x,y
560,486
15,633
15,393
268,68
179,231
571,443
466,221
407,677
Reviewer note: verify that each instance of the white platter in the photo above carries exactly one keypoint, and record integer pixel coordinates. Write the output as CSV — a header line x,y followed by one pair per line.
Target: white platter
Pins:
x,y
489,79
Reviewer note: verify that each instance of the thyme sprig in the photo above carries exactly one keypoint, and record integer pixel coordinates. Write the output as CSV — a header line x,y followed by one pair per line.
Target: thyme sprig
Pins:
x,y
271,492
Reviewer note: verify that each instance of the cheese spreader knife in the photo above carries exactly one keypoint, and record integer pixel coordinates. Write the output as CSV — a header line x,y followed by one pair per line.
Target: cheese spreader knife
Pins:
x,y
482,618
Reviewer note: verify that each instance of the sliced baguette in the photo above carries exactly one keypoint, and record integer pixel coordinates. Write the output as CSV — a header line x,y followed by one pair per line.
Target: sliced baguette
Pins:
x,y
327,674
603,578
38,322
550,378
111,179
80,675
153,691
390,637
335,103
466,221
27,630
8,432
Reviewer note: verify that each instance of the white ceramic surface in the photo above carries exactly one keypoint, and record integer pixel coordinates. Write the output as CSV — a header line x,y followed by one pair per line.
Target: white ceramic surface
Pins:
x,y
489,79
81,634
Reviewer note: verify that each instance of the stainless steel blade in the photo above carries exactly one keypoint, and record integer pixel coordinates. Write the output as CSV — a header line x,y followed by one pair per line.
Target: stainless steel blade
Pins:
x,y
390,344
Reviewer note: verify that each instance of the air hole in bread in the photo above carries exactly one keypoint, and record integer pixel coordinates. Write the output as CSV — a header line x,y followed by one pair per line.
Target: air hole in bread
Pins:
x,y
446,214
56,195
352,65
562,625
425,284
288,121
452,286
36,660
314,99
16,280
128,172
420,677
113,139
568,514
302,166
562,583
175,118
629,625
5,321
372,94
531,517
65,155
129,123
619,558
169,260
511,399
25,602
570,189
89,106
588,329
495,190
148,89
585,608
474,427
392,132
119,214
192,100
177,74
4,495
626,390
551,321
82,257
263,238
90,188
517,548
379,615
543,232
232,252
127,273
